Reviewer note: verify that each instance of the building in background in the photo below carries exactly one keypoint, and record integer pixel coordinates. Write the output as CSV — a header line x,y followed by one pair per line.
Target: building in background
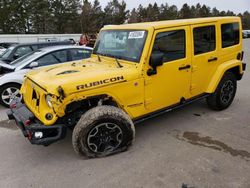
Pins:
x,y
25,38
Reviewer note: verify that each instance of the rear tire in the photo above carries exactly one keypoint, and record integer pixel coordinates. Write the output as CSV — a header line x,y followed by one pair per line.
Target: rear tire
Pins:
x,y
103,131
224,94
8,92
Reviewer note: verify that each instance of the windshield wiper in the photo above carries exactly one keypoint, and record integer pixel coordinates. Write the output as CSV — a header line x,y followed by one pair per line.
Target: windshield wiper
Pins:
x,y
118,63
99,58
116,60
109,55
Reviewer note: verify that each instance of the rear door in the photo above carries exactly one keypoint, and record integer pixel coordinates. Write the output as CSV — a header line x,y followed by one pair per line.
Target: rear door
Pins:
x,y
204,56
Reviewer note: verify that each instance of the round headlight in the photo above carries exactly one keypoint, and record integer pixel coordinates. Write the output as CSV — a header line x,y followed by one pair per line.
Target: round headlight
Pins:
x,y
48,98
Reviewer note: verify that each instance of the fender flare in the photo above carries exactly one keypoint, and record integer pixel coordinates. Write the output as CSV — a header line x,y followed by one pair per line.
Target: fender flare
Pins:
x,y
220,71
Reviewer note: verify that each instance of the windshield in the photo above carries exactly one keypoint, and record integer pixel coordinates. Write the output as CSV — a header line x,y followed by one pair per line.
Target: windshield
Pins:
x,y
121,44
7,52
24,58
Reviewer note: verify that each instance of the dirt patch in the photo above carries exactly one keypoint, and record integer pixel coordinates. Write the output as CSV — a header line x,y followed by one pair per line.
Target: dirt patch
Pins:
x,y
195,139
8,125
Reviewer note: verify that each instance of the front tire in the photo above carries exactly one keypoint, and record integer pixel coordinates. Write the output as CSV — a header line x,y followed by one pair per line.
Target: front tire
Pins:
x,y
103,131
224,95
9,92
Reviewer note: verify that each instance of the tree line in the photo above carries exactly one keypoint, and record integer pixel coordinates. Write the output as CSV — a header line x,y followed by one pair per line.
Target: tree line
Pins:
x,y
83,16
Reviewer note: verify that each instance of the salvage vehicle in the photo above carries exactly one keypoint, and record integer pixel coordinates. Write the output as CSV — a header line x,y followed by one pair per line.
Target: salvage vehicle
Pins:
x,y
13,73
16,51
136,72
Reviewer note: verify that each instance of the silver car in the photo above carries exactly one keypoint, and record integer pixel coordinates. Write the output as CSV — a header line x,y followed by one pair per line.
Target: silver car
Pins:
x,y
11,75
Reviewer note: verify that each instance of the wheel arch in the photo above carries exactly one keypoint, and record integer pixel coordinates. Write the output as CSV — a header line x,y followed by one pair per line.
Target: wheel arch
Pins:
x,y
7,83
93,101
232,66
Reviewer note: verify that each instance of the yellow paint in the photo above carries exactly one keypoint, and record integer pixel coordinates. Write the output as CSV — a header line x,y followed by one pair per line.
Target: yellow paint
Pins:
x,y
137,94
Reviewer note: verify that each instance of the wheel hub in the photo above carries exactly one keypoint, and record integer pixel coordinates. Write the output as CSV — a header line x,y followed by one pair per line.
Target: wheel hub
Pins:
x,y
11,93
227,91
104,137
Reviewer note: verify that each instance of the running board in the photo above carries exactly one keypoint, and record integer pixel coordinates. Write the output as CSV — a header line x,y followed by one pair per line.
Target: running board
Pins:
x,y
169,109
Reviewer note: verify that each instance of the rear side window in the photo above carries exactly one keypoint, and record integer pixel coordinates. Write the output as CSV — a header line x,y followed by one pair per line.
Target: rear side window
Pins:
x,y
230,34
34,47
61,55
172,44
78,54
47,60
204,39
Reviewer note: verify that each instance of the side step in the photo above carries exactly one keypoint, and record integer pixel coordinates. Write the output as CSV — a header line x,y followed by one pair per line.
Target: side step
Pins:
x,y
169,108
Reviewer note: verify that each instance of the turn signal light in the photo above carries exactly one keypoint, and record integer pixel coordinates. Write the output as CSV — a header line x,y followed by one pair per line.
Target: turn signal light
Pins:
x,y
27,122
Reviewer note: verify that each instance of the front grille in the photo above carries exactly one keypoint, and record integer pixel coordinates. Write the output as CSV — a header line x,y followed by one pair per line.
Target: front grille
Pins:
x,y
33,96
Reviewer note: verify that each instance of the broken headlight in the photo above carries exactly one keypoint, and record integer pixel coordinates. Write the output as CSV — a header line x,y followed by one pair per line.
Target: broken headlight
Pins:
x,y
48,100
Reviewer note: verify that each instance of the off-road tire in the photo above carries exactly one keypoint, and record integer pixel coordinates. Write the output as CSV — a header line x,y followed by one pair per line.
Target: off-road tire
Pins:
x,y
3,89
95,117
215,101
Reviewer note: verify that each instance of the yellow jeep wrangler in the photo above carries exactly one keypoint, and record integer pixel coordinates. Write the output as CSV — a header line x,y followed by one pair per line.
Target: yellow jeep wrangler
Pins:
x,y
136,71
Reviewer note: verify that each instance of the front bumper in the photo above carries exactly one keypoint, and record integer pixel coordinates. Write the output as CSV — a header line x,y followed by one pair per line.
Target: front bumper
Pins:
x,y
36,132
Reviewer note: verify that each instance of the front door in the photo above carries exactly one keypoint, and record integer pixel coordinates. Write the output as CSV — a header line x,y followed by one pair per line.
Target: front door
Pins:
x,y
171,83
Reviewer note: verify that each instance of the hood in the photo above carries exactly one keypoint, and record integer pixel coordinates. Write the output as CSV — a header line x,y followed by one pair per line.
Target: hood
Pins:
x,y
5,61
6,68
5,65
84,75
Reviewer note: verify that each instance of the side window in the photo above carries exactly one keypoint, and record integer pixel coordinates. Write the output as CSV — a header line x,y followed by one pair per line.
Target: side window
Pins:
x,y
61,55
42,46
23,50
230,34
47,60
204,39
172,44
78,54
34,47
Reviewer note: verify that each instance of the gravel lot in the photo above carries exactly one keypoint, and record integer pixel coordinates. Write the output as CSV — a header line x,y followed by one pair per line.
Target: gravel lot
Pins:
x,y
192,145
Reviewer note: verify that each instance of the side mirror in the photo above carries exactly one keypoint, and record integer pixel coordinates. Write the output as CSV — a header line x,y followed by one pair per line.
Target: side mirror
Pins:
x,y
33,64
16,56
156,60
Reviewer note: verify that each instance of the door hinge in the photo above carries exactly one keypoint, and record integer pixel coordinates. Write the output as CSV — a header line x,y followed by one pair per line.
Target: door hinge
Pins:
x,y
194,68
192,87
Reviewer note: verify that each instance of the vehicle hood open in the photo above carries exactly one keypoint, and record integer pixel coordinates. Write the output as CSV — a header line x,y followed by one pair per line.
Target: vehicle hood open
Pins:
x,y
5,68
84,75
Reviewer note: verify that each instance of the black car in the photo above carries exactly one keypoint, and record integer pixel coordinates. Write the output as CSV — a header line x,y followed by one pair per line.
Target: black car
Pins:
x,y
246,34
7,44
18,50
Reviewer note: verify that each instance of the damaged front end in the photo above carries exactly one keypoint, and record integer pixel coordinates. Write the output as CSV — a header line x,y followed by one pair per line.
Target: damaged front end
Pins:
x,y
36,132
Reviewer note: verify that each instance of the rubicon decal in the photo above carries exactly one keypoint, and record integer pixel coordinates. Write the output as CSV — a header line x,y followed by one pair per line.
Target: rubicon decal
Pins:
x,y
97,83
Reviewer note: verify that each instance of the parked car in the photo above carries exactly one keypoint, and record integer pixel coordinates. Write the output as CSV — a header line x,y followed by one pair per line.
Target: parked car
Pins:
x,y
7,44
10,83
137,71
18,50
2,50
246,34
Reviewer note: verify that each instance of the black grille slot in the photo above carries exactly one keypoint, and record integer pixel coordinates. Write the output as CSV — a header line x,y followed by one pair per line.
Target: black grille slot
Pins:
x,y
34,95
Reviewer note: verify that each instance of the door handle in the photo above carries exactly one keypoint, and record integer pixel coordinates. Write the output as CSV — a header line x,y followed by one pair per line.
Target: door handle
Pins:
x,y
185,67
212,59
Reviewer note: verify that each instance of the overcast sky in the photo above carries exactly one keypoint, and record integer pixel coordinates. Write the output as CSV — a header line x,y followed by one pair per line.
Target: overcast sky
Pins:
x,y
238,6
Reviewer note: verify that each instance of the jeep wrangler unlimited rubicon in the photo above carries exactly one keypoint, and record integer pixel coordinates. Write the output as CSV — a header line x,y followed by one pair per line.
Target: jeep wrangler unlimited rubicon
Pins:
x,y
136,71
